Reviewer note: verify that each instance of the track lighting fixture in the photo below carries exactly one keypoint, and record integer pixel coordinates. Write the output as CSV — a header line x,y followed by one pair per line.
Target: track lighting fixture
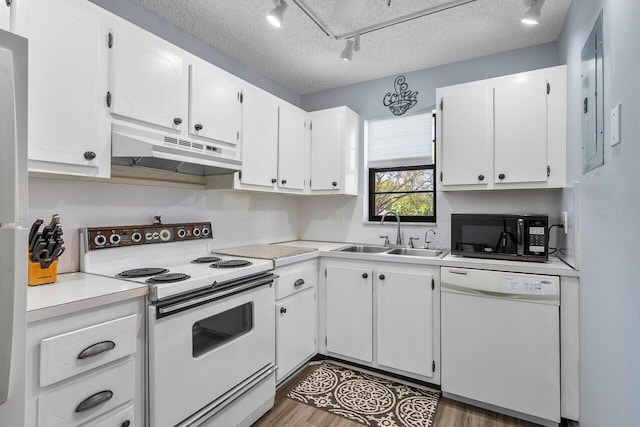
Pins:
x,y
277,14
533,13
350,47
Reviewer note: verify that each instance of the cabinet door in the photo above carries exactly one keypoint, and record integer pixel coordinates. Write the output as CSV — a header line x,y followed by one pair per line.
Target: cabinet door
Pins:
x,y
5,16
295,331
520,147
259,138
466,135
67,85
214,105
292,148
147,80
326,150
405,321
350,312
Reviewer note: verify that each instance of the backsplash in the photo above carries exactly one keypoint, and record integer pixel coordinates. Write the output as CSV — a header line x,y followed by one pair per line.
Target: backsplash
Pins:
x,y
319,214
237,218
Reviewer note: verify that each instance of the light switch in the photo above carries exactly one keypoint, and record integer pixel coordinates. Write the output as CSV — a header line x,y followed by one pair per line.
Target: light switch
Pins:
x,y
616,125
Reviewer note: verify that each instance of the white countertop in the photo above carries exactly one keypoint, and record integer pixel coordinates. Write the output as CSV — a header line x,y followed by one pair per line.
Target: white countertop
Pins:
x,y
554,266
78,291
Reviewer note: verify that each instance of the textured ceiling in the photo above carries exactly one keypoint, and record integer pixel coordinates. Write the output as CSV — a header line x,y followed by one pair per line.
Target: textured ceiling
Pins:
x,y
301,57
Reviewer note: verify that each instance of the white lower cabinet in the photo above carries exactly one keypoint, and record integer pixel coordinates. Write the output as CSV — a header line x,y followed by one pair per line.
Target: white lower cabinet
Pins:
x,y
296,316
87,368
383,315
404,321
349,296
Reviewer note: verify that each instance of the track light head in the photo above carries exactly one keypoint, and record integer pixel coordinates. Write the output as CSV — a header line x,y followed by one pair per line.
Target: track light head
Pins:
x,y
350,47
347,52
277,13
532,15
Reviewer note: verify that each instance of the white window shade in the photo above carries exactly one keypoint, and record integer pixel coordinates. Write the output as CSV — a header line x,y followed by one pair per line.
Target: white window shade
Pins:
x,y
400,141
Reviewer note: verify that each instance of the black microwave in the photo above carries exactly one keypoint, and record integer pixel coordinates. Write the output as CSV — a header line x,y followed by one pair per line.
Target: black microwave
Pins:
x,y
515,237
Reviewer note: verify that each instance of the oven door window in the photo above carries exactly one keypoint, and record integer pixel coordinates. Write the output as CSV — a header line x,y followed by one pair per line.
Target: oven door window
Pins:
x,y
219,329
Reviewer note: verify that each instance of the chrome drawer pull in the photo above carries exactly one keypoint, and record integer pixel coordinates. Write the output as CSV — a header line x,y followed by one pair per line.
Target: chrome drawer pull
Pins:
x,y
95,349
299,282
94,400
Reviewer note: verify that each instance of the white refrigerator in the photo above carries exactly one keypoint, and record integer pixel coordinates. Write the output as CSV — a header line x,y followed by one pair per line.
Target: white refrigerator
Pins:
x,y
13,235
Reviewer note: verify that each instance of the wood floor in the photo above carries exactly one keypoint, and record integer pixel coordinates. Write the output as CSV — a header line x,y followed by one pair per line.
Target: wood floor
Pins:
x,y
289,413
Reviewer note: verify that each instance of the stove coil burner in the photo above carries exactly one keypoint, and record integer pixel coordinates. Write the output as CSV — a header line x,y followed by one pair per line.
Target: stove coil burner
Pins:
x,y
231,263
168,278
205,260
141,272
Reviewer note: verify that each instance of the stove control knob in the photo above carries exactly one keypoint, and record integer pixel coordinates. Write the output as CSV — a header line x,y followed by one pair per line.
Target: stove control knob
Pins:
x,y
148,236
136,237
100,240
182,233
165,235
196,231
155,236
206,231
114,239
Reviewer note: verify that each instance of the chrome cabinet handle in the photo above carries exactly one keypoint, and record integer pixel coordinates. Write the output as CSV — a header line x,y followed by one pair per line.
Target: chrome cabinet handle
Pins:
x,y
95,349
94,400
299,282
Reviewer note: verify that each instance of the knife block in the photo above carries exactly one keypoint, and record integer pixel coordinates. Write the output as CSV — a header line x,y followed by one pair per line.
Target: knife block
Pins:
x,y
42,276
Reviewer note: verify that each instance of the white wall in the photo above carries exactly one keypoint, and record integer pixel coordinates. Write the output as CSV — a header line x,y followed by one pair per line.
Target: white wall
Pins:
x,y
237,218
318,215
366,99
609,212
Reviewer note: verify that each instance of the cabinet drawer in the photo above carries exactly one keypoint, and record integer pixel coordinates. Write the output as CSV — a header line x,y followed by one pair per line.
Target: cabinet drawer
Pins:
x,y
60,408
118,418
293,279
66,355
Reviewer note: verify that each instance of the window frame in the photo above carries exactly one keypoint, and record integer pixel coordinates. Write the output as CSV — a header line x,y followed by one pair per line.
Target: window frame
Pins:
x,y
403,218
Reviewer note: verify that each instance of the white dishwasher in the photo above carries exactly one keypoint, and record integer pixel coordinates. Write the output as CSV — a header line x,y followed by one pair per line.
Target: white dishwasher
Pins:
x,y
501,339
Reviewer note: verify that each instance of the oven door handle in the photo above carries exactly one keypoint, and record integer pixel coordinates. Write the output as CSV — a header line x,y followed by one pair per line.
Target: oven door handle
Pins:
x,y
180,306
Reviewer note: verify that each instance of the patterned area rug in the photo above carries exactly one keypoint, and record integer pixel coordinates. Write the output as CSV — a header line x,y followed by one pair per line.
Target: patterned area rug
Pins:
x,y
366,399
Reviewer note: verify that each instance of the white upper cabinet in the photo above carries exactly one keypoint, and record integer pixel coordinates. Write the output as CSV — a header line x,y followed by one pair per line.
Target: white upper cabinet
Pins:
x,y
68,124
466,124
292,148
335,138
520,108
5,16
503,133
259,139
148,79
214,105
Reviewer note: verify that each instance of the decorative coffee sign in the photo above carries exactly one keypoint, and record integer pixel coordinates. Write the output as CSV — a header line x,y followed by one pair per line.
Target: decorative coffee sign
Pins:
x,y
402,100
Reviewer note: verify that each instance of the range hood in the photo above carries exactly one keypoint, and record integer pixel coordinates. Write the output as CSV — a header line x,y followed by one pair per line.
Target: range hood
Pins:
x,y
138,147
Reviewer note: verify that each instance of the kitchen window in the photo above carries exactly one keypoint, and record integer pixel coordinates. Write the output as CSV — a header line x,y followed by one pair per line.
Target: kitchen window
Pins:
x,y
400,160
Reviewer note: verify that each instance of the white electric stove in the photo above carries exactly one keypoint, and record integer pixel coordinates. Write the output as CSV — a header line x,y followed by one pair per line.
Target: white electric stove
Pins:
x,y
210,321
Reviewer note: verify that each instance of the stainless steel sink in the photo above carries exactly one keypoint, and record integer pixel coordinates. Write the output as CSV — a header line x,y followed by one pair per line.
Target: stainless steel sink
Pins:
x,y
364,249
427,253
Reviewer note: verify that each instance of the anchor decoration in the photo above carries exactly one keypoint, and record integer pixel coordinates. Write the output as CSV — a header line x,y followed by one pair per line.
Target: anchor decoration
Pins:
x,y
402,100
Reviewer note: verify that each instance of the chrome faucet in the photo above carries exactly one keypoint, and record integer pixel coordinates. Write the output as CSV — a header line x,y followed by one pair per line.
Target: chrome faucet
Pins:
x,y
426,236
398,237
